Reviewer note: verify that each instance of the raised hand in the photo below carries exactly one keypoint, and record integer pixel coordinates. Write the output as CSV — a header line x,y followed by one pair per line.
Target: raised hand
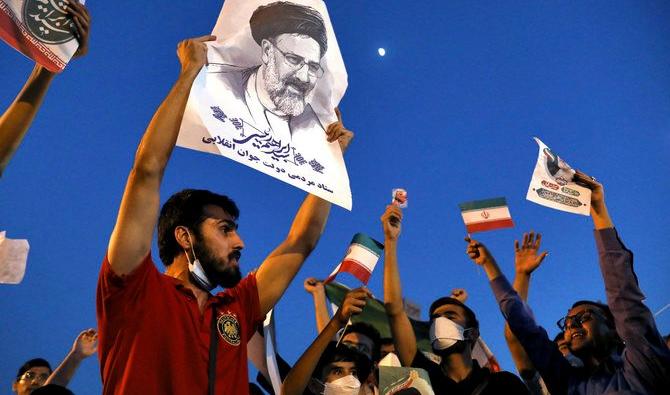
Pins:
x,y
459,294
526,257
82,22
192,53
86,344
312,285
353,304
391,222
337,131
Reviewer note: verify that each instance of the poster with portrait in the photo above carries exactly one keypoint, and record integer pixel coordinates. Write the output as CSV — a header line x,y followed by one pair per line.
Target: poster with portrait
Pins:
x,y
42,30
551,184
274,76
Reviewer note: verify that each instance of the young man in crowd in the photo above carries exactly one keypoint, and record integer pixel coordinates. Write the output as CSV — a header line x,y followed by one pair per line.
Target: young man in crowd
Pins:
x,y
594,331
325,367
16,120
454,332
37,372
166,333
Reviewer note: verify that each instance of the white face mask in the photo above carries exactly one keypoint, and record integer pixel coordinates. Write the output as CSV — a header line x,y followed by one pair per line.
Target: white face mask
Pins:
x,y
197,272
347,385
444,333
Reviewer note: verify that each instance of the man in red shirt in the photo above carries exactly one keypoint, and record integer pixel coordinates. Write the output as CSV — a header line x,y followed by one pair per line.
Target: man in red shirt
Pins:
x,y
165,333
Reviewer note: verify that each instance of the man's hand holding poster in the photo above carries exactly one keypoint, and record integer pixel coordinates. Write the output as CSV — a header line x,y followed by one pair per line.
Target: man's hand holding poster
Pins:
x,y
266,97
552,184
49,32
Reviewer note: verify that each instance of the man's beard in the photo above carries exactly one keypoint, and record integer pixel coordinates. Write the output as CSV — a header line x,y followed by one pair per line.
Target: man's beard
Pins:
x,y
288,102
227,277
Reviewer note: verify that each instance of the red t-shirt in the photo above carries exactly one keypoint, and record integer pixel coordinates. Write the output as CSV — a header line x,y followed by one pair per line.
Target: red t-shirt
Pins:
x,y
154,340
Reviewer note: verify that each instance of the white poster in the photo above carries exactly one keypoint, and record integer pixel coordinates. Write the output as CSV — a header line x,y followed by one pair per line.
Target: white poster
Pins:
x,y
274,76
42,30
13,258
552,186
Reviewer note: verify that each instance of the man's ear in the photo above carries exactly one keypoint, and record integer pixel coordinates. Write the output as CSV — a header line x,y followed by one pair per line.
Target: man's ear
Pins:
x,y
473,336
266,47
183,237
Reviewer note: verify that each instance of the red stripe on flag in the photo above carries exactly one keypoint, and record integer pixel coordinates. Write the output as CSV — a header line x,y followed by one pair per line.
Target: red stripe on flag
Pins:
x,y
356,269
16,35
489,225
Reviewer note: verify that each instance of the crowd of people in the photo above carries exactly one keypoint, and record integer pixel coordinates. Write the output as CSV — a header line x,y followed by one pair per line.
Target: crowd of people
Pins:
x,y
612,347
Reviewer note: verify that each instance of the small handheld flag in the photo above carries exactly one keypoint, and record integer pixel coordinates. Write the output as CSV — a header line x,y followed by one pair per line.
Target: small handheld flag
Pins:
x,y
483,215
360,259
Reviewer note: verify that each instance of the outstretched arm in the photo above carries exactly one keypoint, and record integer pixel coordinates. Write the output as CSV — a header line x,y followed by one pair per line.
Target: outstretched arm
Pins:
x,y
543,353
526,260
131,239
316,289
647,357
402,332
84,346
298,378
281,266
16,120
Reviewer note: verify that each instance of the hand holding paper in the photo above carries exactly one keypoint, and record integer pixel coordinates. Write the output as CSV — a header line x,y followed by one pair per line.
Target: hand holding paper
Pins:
x,y
82,22
391,222
337,132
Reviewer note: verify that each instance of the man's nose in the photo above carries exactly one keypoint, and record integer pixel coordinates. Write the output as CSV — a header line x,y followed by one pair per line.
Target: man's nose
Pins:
x,y
303,73
238,243
573,324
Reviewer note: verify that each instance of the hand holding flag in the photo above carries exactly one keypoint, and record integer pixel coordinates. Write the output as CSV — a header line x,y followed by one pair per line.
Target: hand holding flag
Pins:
x,y
478,252
353,304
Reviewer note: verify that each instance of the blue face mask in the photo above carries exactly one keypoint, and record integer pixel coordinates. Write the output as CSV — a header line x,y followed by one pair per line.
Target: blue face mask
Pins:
x,y
197,273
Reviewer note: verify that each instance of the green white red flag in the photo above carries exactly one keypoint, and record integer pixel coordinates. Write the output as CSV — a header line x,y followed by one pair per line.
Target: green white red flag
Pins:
x,y
488,214
360,259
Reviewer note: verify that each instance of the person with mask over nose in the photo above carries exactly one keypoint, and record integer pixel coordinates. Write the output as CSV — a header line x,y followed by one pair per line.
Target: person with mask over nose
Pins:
x,y
454,331
327,367
167,333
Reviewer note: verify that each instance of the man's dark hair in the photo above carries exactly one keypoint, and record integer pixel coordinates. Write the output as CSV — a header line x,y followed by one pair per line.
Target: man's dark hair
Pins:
x,y
281,17
370,331
185,208
33,363
603,307
559,336
470,317
343,354
52,389
385,340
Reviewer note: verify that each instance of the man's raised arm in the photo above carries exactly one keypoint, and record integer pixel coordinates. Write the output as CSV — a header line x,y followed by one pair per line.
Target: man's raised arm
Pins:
x,y
402,332
131,239
18,117
279,268
646,356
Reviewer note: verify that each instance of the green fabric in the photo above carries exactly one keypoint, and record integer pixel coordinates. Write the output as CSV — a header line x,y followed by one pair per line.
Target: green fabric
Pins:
x,y
374,314
481,204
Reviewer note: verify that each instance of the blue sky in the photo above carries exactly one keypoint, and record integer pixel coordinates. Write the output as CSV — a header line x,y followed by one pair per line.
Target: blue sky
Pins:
x,y
448,114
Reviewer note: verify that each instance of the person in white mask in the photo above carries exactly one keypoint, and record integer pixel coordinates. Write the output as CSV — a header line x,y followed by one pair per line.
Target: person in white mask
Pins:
x,y
327,367
454,331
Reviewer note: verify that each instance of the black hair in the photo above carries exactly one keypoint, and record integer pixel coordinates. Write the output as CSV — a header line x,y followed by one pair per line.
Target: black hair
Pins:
x,y
281,17
605,310
342,353
371,332
559,336
470,317
33,363
52,389
385,340
185,208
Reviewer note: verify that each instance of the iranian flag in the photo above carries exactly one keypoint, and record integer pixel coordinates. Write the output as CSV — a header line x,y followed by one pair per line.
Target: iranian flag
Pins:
x,y
483,215
360,259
